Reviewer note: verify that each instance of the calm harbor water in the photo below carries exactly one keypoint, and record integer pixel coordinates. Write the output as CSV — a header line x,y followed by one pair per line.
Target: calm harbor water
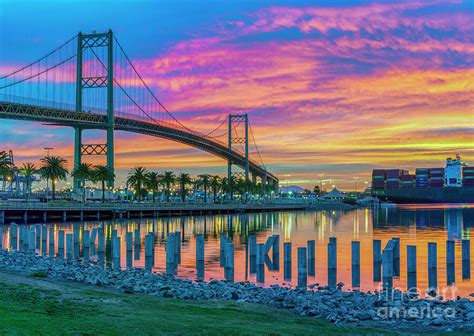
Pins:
x,y
413,224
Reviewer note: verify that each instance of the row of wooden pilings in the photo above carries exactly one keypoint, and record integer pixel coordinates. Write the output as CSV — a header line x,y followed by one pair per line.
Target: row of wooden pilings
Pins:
x,y
386,262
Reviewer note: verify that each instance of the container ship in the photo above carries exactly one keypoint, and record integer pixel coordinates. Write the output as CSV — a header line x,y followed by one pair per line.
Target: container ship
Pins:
x,y
452,184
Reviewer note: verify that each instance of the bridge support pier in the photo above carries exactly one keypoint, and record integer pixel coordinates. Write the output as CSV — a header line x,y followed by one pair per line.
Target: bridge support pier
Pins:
x,y
25,217
77,154
2,217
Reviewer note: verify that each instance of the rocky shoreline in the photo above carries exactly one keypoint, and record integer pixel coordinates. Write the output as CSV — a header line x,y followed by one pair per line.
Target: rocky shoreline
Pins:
x,y
334,304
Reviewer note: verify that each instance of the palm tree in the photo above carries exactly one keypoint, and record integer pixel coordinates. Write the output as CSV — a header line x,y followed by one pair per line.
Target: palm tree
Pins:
x,y
215,185
241,187
224,187
5,167
167,179
183,180
28,170
204,181
103,174
83,172
53,168
136,179
152,183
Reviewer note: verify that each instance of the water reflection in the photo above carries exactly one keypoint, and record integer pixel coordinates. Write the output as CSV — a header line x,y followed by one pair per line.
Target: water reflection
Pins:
x,y
196,245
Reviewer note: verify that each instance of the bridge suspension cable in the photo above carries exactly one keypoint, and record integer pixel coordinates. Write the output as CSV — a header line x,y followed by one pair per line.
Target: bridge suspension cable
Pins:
x,y
51,82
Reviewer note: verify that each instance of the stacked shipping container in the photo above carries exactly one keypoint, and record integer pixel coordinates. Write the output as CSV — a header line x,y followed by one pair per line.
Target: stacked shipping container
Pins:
x,y
393,178
436,177
422,177
378,178
468,176
407,181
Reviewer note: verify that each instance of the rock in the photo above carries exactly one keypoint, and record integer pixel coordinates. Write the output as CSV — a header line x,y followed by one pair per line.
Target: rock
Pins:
x,y
364,316
437,322
470,316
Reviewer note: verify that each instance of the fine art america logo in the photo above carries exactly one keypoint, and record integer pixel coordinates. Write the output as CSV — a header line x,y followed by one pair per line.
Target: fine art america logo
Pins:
x,y
397,304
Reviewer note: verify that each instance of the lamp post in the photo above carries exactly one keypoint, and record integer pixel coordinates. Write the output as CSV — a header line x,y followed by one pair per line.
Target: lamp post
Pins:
x,y
356,178
321,175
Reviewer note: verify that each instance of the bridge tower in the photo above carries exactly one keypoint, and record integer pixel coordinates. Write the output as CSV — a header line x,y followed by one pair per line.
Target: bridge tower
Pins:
x,y
234,138
84,42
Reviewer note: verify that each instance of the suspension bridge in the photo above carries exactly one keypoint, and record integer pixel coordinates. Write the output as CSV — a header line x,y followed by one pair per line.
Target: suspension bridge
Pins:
x,y
89,82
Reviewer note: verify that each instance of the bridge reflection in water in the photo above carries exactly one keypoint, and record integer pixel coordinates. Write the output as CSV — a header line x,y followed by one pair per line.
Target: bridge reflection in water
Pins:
x,y
413,225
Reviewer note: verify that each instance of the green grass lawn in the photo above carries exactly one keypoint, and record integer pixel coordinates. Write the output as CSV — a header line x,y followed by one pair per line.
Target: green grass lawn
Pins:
x,y
26,310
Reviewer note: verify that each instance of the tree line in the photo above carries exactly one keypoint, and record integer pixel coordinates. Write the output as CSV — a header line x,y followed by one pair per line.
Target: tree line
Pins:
x,y
140,180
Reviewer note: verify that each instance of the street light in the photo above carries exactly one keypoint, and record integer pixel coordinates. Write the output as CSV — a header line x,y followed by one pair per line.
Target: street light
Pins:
x,y
47,149
321,175
356,178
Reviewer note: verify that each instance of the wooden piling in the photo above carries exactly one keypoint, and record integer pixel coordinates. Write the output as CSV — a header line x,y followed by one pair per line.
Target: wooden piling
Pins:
x,y
69,246
51,242
177,247
76,239
200,256
136,234
260,263
61,244
200,247
253,246
311,245
129,249
432,266
355,253
411,268
332,262
116,253
44,239
13,236
466,258
32,241
450,263
377,259
229,262
287,261
387,267
302,267
170,255
86,240
222,243
100,241
396,256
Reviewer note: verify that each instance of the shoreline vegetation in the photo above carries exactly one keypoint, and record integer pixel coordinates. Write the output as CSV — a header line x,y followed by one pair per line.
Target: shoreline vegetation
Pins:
x,y
316,310
31,305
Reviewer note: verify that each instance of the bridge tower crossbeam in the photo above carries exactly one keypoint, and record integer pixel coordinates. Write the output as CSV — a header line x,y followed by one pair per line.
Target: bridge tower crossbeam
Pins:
x,y
234,139
89,41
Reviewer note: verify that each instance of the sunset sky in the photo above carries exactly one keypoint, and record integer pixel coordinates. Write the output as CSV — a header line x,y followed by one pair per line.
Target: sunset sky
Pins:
x,y
331,87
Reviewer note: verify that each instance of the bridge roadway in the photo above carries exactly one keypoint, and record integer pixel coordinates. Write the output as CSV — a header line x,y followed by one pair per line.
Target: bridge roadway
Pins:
x,y
65,117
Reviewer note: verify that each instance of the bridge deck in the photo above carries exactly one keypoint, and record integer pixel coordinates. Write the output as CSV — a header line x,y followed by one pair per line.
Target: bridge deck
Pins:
x,y
65,117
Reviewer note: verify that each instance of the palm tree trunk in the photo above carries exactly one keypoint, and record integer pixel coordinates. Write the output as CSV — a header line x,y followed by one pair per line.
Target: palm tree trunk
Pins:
x,y
103,191
53,189
84,191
